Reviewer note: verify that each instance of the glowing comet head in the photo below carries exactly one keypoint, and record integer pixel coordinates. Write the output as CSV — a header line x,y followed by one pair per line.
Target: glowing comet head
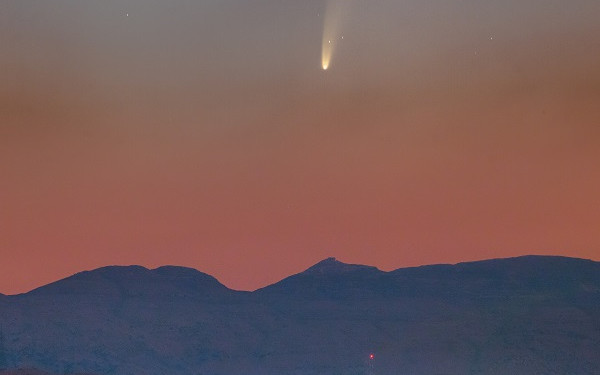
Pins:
x,y
326,55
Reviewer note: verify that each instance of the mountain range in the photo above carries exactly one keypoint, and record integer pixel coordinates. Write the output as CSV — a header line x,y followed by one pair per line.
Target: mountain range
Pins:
x,y
525,315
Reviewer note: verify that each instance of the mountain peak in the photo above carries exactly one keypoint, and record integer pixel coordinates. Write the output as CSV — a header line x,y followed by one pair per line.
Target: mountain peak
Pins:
x,y
333,266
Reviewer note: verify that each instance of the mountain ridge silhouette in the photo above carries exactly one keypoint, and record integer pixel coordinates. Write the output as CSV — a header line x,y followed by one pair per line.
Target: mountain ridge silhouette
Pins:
x,y
531,314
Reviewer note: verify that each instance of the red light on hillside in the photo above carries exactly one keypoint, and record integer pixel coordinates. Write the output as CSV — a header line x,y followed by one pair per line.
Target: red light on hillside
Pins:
x,y
371,356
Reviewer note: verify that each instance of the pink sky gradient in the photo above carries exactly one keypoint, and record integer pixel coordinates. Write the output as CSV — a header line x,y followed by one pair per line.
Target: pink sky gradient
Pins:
x,y
167,137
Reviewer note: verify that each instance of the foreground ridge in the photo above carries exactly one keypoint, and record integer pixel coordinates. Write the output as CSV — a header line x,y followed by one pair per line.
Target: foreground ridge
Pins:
x,y
524,315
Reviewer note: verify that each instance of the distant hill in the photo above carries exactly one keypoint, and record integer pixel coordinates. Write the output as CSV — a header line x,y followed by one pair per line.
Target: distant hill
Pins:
x,y
526,315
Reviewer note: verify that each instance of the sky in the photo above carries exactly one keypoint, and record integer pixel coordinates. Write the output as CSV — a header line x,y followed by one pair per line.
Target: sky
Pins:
x,y
207,134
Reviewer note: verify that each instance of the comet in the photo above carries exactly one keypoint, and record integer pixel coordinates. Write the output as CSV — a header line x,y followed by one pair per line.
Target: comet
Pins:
x,y
331,30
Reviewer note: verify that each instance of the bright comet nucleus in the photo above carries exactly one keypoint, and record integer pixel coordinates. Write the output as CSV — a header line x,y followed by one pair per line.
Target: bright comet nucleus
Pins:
x,y
331,28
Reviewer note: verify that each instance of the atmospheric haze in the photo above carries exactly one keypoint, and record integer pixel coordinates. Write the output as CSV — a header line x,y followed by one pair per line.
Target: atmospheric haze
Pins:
x,y
331,31
206,134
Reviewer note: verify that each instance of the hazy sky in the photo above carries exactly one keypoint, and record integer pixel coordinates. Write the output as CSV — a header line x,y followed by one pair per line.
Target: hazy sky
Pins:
x,y
206,134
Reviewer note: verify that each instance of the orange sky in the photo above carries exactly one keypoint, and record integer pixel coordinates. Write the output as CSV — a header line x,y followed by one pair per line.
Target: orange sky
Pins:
x,y
207,135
